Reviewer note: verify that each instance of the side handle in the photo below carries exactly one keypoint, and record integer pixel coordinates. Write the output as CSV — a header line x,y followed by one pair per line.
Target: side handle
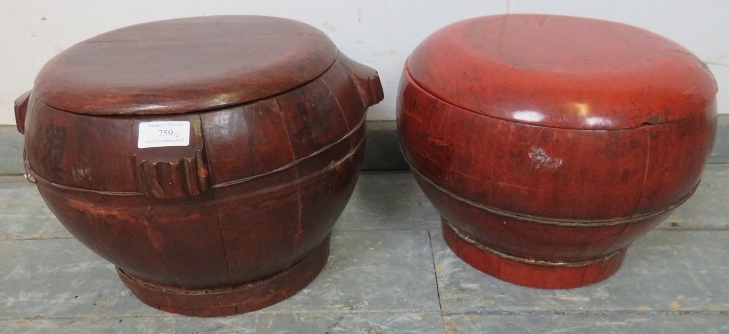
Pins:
x,y
365,79
21,110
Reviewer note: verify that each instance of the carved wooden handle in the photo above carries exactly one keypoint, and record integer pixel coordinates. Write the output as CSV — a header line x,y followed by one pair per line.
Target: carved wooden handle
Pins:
x,y
171,179
21,110
366,79
173,171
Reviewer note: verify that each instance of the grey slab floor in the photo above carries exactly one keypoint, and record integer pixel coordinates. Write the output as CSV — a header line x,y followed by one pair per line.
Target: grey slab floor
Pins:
x,y
389,272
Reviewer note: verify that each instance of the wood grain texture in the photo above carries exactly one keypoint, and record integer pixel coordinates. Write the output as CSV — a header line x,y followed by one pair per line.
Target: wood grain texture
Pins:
x,y
182,65
504,139
253,195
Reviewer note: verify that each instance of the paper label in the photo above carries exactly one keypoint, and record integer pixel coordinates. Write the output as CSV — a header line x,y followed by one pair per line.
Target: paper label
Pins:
x,y
161,134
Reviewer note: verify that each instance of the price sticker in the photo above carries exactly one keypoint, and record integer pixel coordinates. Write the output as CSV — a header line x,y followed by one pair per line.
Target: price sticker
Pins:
x,y
161,134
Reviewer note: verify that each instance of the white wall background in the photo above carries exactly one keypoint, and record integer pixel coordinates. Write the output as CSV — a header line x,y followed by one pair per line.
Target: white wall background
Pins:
x,y
378,33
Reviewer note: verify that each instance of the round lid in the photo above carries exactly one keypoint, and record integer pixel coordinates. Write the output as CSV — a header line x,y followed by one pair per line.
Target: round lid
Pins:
x,y
561,71
184,65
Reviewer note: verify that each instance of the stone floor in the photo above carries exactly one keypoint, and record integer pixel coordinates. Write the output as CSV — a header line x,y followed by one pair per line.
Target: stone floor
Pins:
x,y
389,272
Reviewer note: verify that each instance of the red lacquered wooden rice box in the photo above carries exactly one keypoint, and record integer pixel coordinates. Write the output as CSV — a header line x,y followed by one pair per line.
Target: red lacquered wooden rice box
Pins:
x,y
207,158
550,143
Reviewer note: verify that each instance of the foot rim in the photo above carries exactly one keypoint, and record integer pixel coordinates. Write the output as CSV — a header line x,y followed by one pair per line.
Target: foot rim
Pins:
x,y
238,299
530,272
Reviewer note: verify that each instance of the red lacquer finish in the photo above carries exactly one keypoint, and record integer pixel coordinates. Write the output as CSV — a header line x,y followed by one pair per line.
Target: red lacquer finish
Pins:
x,y
240,217
550,143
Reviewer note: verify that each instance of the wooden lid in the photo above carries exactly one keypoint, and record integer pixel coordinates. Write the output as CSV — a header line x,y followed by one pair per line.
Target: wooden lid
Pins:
x,y
561,71
184,65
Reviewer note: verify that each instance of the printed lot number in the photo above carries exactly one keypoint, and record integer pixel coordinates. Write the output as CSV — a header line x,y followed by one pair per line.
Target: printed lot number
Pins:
x,y
161,134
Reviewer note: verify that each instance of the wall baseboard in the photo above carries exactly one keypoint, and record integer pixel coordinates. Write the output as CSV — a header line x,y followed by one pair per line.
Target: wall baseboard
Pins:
x,y
11,151
720,153
382,150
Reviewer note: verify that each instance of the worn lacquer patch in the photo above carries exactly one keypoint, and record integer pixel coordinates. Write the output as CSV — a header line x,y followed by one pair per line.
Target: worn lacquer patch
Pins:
x,y
540,159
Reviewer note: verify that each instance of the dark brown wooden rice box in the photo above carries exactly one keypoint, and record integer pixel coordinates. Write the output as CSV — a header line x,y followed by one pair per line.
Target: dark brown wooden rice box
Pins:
x,y
550,143
207,158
